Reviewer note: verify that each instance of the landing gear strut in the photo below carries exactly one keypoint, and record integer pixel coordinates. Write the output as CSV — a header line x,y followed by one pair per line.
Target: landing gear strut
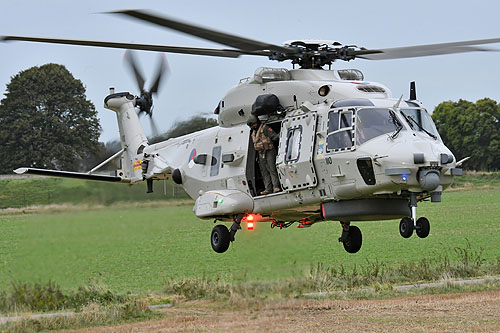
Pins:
x,y
351,237
408,224
221,236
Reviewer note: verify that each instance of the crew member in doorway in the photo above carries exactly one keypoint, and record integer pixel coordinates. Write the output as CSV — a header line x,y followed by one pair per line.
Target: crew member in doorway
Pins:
x,y
263,137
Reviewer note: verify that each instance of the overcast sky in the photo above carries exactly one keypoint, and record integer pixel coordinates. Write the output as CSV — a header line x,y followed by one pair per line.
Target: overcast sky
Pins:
x,y
196,83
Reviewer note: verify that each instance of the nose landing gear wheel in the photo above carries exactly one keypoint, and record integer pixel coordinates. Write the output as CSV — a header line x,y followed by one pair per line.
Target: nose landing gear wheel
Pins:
x,y
220,238
423,227
406,227
352,243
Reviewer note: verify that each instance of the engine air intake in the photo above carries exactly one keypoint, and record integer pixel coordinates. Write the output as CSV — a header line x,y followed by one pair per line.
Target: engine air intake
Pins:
x,y
371,89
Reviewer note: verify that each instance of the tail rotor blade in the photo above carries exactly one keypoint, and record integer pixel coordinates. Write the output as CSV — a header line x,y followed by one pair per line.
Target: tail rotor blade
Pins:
x,y
162,70
137,73
154,129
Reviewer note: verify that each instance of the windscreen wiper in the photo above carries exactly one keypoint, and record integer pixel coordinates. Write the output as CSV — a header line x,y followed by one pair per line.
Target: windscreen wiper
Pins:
x,y
396,123
408,118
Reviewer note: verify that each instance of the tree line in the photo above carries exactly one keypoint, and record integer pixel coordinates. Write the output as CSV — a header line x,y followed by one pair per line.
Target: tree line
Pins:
x,y
46,121
471,129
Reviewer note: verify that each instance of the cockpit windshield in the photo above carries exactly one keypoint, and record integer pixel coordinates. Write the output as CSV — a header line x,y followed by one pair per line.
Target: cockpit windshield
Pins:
x,y
420,120
374,122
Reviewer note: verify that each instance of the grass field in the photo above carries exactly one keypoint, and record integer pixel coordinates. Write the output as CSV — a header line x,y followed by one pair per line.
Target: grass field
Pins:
x,y
140,249
23,192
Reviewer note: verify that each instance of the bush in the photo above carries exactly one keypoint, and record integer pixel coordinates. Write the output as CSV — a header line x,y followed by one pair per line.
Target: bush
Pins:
x,y
35,297
39,297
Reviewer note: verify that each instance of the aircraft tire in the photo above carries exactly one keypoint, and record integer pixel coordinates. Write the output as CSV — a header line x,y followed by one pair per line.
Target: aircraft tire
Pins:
x,y
406,227
220,238
354,239
423,227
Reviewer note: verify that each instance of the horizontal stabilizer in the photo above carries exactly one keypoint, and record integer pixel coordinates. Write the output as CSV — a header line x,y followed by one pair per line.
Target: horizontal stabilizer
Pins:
x,y
67,174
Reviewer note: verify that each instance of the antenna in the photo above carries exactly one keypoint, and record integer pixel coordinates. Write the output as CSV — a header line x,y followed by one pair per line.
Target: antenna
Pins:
x,y
398,102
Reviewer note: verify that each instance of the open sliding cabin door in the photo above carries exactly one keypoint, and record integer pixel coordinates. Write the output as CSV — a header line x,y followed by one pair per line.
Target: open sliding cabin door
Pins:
x,y
295,152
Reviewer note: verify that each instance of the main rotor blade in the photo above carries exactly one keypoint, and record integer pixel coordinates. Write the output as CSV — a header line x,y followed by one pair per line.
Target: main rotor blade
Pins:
x,y
228,53
208,34
426,50
129,57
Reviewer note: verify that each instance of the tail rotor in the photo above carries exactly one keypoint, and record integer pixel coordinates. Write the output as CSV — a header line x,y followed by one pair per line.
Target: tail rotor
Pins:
x,y
145,100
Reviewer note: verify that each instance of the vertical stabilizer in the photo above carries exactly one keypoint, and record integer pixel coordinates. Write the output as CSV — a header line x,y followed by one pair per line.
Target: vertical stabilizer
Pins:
x,y
132,136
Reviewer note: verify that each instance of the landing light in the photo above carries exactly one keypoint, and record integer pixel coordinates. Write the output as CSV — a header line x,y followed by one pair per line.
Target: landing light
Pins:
x,y
250,217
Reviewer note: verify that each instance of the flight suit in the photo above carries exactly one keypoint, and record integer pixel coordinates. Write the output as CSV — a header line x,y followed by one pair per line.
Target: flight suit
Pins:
x,y
263,139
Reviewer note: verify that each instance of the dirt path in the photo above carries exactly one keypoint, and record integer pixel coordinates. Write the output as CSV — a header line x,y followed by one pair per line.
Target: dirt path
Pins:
x,y
470,312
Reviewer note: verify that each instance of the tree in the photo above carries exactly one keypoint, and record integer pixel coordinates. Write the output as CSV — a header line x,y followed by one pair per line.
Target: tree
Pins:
x,y
46,121
196,123
103,152
470,129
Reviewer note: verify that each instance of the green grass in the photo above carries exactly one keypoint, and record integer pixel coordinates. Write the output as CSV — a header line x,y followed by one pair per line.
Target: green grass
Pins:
x,y
474,179
15,193
141,249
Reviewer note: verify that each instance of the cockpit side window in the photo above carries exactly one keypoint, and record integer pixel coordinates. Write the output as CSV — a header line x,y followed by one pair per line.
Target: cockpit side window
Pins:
x,y
333,122
420,120
340,130
346,119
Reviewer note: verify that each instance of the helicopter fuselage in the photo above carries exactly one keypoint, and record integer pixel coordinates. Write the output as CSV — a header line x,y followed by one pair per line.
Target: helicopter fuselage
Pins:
x,y
350,147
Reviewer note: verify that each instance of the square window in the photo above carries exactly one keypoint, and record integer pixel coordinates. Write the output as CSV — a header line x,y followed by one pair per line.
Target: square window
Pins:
x,y
339,140
294,137
333,122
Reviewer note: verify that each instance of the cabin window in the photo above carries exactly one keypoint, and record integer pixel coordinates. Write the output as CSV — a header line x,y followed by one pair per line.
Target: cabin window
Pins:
x,y
294,138
214,169
340,128
374,122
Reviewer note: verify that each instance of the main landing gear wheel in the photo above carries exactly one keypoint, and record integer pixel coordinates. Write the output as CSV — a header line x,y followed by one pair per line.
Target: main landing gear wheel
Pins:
x,y
423,227
220,238
351,237
354,239
406,227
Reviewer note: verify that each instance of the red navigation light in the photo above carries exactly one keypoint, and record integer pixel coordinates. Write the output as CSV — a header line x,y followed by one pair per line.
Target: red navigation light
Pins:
x,y
251,219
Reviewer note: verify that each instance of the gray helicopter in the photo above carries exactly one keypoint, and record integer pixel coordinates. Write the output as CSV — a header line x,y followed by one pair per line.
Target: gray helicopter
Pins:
x,y
347,150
